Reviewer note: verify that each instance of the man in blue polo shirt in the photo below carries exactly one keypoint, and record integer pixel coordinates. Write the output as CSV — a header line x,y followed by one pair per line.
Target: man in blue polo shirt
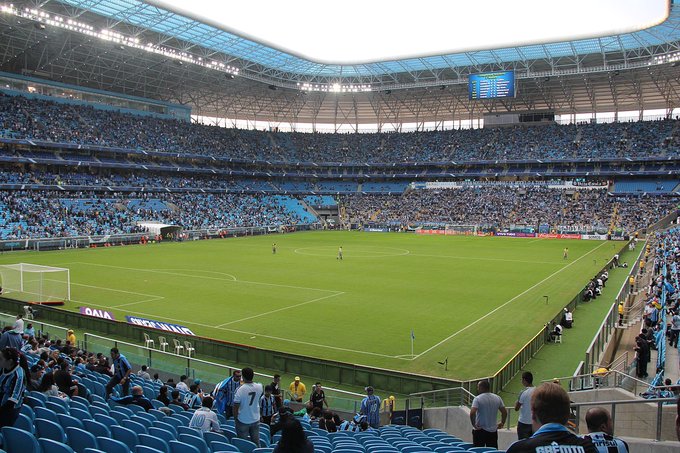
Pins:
x,y
121,373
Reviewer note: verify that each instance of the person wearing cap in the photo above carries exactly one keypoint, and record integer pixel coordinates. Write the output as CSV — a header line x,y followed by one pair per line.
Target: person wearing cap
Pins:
x,y
70,336
35,377
370,407
297,390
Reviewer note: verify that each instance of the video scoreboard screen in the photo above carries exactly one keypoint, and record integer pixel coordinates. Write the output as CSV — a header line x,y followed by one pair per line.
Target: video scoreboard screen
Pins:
x,y
492,85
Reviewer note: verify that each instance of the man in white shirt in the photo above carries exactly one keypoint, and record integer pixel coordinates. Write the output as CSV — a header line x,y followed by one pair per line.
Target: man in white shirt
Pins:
x,y
144,373
204,419
19,324
181,385
483,416
525,427
247,408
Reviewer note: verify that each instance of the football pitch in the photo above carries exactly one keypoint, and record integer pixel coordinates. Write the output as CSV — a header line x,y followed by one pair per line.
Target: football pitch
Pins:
x,y
473,300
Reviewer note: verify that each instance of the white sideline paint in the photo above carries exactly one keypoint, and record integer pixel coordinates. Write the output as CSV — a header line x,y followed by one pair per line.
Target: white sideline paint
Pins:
x,y
475,258
506,303
281,309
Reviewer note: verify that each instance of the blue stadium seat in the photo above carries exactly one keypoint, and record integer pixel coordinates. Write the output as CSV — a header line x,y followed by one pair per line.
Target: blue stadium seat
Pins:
x,y
47,414
145,449
176,422
267,450
27,411
93,450
125,435
67,421
157,414
34,402
160,433
56,400
119,416
79,439
134,426
181,447
144,418
113,446
49,430
52,446
56,407
81,414
210,437
157,404
97,428
244,446
189,431
166,426
38,395
481,449
106,420
15,439
196,441
24,422
154,442
221,446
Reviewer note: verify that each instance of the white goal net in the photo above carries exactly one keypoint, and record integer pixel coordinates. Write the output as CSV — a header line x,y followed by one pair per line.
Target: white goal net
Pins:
x,y
461,230
35,283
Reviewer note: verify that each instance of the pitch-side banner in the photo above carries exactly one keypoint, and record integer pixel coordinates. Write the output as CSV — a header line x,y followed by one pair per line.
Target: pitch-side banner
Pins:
x,y
559,236
87,311
515,234
150,323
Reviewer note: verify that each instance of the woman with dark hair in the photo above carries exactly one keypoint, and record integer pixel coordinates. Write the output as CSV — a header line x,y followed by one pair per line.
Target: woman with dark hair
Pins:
x,y
48,387
293,439
12,385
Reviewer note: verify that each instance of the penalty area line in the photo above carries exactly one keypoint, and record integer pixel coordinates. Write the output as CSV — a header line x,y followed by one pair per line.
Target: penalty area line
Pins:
x,y
506,303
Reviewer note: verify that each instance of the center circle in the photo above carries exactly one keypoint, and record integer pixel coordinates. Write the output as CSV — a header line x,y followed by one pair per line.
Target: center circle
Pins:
x,y
362,251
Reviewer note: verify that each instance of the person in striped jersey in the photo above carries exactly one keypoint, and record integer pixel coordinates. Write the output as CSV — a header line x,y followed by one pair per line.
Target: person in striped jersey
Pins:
x,y
12,385
600,430
193,399
224,394
267,405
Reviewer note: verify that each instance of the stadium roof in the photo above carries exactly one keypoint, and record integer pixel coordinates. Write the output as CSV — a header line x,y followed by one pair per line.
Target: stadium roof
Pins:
x,y
152,17
135,48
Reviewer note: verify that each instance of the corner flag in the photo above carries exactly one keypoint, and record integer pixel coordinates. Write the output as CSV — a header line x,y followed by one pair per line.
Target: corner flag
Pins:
x,y
413,337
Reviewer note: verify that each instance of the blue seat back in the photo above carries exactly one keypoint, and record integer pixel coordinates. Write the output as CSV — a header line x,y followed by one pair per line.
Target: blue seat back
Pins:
x,y
154,442
15,439
112,445
196,441
181,447
245,446
24,422
47,429
52,446
125,435
221,446
67,421
47,414
97,428
79,439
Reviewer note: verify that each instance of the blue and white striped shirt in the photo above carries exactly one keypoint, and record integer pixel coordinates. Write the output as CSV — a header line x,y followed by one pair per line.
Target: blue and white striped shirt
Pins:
x,y
193,400
224,393
121,366
370,407
12,386
267,405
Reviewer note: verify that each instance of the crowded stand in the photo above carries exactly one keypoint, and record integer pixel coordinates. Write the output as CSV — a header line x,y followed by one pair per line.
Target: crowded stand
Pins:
x,y
22,118
591,210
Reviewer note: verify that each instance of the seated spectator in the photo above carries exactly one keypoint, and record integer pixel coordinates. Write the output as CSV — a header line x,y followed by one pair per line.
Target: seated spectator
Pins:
x,y
177,401
556,331
163,395
204,419
567,319
193,398
64,380
136,398
144,374
30,330
327,423
181,385
157,380
293,439
35,377
48,388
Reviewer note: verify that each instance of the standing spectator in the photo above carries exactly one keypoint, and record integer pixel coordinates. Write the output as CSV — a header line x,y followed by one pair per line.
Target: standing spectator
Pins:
x,y
224,394
297,390
144,373
601,430
675,329
370,407
483,416
293,439
30,331
204,419
318,397
193,399
267,405
247,408
70,336
276,391
19,324
550,408
12,385
11,338
121,373
523,405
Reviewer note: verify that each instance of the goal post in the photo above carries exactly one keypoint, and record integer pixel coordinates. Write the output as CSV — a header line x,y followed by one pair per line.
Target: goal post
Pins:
x,y
470,230
35,283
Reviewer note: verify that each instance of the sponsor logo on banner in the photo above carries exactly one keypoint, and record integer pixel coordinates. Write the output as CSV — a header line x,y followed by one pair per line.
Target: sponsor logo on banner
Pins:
x,y
594,237
514,234
376,230
559,236
87,311
150,323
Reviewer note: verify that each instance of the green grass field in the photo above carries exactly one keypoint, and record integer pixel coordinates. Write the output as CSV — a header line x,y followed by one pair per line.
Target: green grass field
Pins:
x,y
473,300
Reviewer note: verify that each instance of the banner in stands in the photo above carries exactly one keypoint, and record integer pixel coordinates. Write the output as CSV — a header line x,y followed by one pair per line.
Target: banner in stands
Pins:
x,y
159,325
376,230
559,236
515,234
87,311
594,237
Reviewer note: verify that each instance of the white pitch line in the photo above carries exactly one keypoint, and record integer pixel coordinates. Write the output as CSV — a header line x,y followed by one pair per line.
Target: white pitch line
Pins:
x,y
234,279
139,302
117,290
280,309
305,343
486,259
506,303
